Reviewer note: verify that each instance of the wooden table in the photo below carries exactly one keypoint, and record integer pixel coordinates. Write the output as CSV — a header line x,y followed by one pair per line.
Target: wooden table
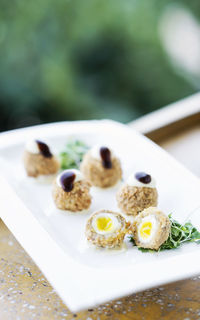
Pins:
x,y
25,294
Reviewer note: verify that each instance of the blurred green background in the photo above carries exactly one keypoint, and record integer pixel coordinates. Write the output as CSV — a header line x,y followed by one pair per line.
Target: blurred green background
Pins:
x,y
85,59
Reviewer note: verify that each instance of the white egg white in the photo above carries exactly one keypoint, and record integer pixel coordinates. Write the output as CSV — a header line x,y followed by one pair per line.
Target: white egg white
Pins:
x,y
152,219
115,223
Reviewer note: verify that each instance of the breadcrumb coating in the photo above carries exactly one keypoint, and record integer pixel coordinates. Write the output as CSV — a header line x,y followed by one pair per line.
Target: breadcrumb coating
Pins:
x,y
99,176
132,200
77,199
37,164
162,232
112,240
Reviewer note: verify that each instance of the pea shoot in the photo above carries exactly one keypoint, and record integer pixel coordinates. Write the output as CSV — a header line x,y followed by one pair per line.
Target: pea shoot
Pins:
x,y
179,234
72,154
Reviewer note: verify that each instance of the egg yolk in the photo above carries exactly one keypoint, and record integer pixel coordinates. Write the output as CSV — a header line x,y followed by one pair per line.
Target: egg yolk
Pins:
x,y
104,223
145,229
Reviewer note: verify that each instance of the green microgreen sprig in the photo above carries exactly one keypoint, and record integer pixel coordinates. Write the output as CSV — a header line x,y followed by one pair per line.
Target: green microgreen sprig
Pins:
x,y
179,234
72,154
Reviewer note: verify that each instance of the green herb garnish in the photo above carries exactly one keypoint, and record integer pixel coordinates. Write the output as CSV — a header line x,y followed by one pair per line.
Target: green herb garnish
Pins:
x,y
178,234
73,154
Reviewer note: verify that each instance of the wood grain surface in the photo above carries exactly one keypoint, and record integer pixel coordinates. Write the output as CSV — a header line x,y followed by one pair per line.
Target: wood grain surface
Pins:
x,y
25,294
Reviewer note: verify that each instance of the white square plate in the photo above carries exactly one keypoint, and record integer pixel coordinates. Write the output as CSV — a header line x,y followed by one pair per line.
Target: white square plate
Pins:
x,y
82,276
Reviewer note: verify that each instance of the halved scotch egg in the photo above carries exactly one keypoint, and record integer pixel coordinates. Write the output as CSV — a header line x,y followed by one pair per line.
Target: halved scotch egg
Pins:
x,y
106,229
151,228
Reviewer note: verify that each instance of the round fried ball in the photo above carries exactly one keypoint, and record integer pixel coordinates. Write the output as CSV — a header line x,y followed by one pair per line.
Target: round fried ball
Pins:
x,y
97,174
132,199
73,197
37,165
